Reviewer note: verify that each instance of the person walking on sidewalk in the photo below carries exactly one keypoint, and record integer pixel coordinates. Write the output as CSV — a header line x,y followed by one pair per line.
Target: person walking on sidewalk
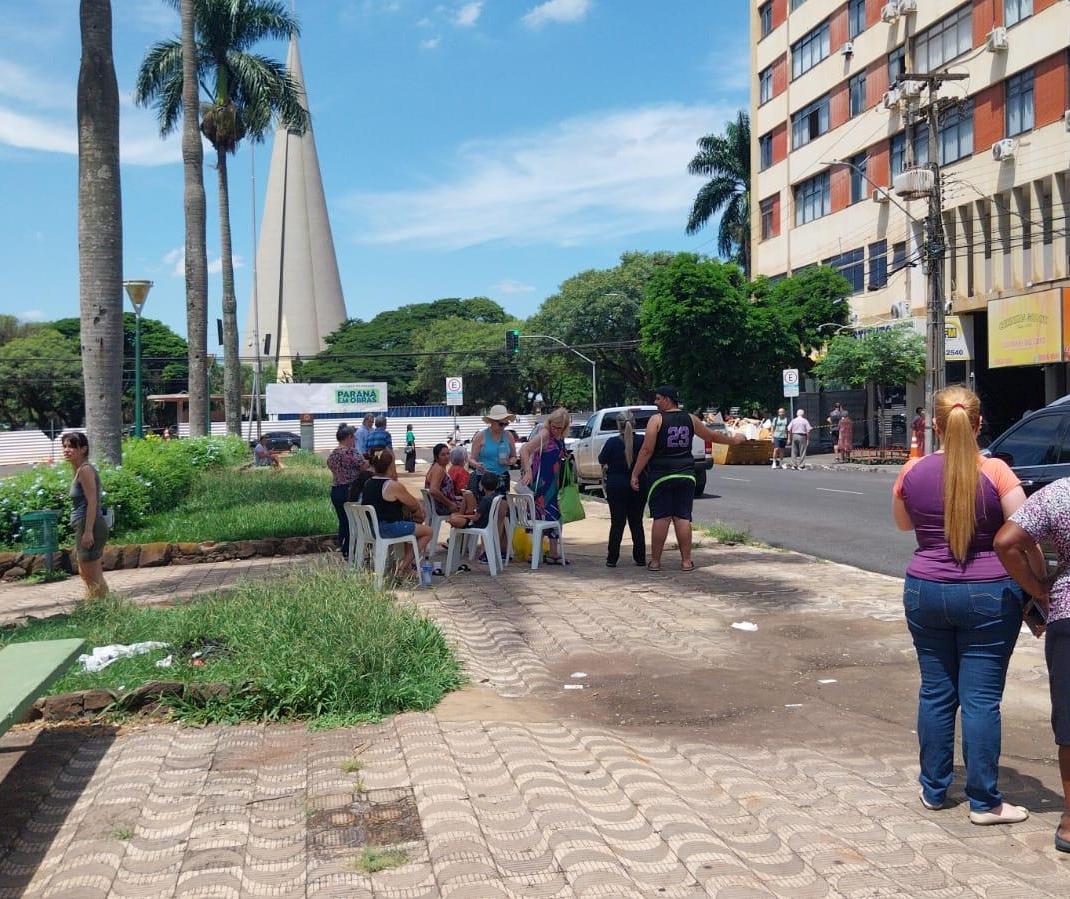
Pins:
x,y
845,442
87,514
380,438
410,450
962,609
917,427
799,429
363,433
617,459
667,450
778,426
1046,517
345,464
833,421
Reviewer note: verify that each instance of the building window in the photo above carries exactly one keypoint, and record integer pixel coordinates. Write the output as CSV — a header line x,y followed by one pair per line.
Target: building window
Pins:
x,y
765,85
765,151
856,17
809,122
767,219
878,264
795,4
1016,10
897,153
942,42
1020,103
920,144
899,255
859,184
856,89
852,265
810,50
813,199
897,64
956,133
765,15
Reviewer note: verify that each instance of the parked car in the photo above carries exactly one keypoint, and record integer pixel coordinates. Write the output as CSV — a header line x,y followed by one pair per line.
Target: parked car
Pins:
x,y
571,438
1038,446
603,425
281,441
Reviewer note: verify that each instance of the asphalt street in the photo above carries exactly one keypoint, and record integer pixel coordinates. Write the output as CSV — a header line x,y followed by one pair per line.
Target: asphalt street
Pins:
x,y
844,516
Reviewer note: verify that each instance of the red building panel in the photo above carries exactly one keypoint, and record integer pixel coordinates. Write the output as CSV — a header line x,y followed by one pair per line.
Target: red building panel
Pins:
x,y
780,12
839,105
840,186
838,28
1039,5
780,143
873,12
876,82
988,117
780,75
987,14
1050,89
877,168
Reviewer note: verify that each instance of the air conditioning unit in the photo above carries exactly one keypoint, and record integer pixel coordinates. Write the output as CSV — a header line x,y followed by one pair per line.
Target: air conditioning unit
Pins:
x,y
1066,119
906,7
949,307
914,183
899,310
891,99
911,88
847,49
880,195
1004,149
890,13
997,40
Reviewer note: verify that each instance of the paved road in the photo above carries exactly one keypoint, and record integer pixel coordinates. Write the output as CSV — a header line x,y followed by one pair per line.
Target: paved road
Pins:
x,y
844,516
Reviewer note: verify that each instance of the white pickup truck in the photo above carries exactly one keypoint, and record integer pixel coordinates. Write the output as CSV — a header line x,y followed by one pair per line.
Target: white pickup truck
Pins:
x,y
603,425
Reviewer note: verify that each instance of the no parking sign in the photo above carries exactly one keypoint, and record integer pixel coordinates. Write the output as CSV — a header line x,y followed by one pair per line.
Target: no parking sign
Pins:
x,y
454,391
791,382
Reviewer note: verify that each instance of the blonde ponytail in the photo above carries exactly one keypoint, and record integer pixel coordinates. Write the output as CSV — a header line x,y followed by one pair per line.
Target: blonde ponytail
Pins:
x,y
958,414
626,427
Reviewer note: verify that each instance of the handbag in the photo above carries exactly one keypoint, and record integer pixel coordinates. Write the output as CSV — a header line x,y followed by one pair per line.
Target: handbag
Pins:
x,y
568,496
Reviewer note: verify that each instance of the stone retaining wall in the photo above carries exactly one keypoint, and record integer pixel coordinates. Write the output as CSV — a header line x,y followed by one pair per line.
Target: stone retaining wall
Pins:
x,y
14,566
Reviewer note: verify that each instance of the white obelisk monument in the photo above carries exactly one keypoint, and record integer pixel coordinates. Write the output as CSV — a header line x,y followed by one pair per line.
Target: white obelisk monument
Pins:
x,y
297,294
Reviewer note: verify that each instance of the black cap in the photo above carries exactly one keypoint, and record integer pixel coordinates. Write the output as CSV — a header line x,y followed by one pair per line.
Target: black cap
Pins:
x,y
669,392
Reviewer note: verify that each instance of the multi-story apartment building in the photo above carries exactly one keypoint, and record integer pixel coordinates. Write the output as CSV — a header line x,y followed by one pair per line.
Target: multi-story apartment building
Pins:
x,y
834,122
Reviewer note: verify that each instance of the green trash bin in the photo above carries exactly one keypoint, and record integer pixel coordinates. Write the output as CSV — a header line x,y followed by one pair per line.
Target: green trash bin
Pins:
x,y
40,535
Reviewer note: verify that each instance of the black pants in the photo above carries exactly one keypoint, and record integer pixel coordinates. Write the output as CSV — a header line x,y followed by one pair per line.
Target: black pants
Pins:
x,y
410,460
339,496
626,507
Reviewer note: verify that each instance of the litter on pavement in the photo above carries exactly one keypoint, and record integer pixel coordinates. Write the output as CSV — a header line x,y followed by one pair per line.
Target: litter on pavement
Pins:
x,y
744,625
827,680
101,657
573,686
579,674
165,662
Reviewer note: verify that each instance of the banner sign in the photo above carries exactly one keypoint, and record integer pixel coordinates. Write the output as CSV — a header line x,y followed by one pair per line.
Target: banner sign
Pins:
x,y
1025,330
958,334
454,391
284,399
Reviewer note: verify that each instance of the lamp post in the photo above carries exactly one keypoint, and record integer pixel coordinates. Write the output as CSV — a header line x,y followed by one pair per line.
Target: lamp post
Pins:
x,y
138,291
209,362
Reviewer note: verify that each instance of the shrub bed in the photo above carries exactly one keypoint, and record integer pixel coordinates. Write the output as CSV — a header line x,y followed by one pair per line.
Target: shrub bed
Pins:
x,y
155,475
319,645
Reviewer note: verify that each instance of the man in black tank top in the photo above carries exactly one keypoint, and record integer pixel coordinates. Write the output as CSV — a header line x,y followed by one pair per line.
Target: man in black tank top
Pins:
x,y
667,450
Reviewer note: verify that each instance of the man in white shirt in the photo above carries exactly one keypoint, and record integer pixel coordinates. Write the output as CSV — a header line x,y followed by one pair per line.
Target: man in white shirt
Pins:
x,y
799,429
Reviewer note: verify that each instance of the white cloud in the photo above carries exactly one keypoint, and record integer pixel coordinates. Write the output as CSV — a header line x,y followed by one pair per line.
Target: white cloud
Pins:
x,y
509,286
30,132
468,15
587,178
175,261
431,43
556,11
425,22
31,315
20,84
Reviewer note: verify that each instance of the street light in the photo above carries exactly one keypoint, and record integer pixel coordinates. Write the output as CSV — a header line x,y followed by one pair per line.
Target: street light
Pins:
x,y
209,363
138,291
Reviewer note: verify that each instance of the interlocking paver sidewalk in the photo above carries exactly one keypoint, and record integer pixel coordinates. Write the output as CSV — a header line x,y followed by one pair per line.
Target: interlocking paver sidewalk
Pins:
x,y
694,760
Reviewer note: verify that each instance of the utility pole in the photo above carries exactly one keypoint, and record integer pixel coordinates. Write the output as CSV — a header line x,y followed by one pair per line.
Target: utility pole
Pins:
x,y
934,251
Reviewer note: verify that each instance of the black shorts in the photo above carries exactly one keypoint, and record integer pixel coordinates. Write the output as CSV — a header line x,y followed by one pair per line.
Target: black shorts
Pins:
x,y
672,496
780,442
1057,655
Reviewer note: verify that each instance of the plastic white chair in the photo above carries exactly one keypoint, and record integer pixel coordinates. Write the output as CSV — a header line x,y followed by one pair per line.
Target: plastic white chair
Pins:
x,y
381,546
468,538
360,541
522,515
432,519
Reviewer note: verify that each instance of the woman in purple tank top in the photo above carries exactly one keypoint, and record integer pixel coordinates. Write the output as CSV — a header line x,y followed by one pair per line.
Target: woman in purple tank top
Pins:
x,y
963,611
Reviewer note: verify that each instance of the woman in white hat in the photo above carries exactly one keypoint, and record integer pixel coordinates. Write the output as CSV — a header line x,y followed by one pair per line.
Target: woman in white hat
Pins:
x,y
494,448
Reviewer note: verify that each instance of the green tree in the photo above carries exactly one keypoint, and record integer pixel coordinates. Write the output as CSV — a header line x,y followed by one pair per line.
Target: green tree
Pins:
x,y
42,378
245,91
887,357
100,233
725,162
11,327
694,323
806,303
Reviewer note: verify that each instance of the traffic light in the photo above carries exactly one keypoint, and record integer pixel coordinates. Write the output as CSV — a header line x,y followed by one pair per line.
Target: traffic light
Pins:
x,y
512,342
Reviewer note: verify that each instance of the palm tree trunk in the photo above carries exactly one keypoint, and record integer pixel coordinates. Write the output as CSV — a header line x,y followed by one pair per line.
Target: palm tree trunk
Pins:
x,y
100,234
196,226
231,363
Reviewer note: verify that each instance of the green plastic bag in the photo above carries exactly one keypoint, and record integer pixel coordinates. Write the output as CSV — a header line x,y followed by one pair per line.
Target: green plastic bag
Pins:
x,y
568,496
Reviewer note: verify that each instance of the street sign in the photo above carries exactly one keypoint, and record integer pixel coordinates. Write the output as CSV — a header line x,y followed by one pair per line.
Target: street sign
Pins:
x,y
791,382
454,391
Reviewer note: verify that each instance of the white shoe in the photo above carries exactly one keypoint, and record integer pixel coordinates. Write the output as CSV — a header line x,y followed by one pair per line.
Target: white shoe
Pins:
x,y
1008,814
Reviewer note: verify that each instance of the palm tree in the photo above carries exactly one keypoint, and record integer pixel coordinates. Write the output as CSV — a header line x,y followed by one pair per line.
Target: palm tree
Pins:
x,y
100,234
725,161
196,224
245,92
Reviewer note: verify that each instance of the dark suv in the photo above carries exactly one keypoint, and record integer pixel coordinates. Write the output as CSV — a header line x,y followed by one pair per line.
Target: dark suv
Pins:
x,y
1038,446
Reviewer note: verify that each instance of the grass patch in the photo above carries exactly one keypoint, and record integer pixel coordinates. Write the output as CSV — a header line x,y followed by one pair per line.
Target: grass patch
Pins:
x,y
378,858
122,833
351,766
45,577
318,645
246,505
726,533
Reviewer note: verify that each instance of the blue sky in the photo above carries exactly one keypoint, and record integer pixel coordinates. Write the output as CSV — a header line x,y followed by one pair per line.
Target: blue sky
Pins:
x,y
467,148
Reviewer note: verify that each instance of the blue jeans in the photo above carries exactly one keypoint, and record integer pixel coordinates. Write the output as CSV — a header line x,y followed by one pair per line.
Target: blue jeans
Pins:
x,y
964,634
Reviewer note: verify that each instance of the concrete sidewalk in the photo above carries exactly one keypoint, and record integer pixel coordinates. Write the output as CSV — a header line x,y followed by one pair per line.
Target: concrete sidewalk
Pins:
x,y
619,738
